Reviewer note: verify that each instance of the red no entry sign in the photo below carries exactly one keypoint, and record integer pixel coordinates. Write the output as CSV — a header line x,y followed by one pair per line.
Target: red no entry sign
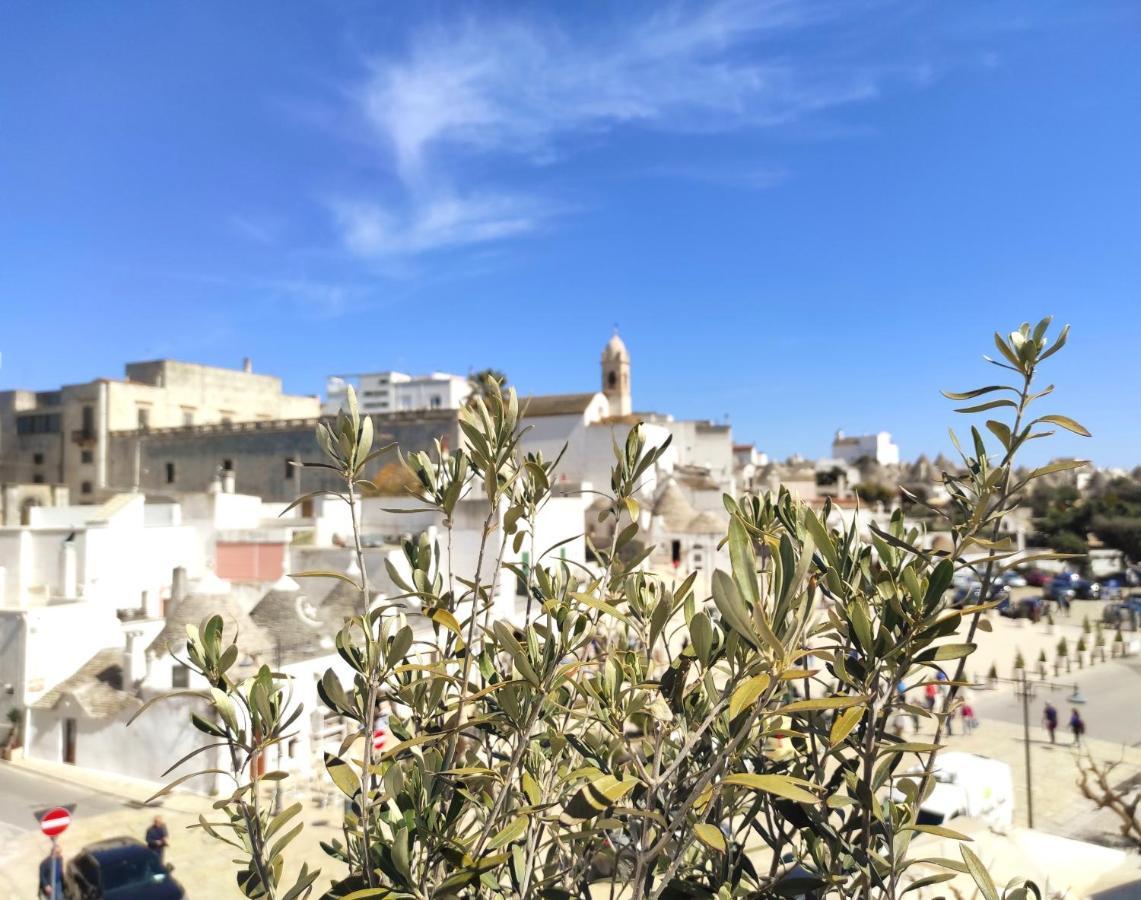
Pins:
x,y
55,821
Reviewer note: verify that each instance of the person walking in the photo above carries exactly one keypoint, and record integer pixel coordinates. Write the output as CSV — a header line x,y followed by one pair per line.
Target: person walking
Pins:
x,y
1050,720
1077,726
969,720
158,838
51,874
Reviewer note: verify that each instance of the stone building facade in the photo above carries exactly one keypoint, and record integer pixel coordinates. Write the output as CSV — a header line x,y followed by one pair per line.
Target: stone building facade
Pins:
x,y
254,457
64,436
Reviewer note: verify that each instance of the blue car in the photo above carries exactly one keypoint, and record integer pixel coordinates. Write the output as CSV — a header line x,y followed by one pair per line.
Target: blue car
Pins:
x,y
1083,588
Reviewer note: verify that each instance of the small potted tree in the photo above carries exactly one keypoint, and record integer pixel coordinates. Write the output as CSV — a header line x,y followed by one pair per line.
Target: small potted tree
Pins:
x,y
1118,642
992,677
1019,665
1051,628
1083,652
1099,643
1063,657
11,748
1042,664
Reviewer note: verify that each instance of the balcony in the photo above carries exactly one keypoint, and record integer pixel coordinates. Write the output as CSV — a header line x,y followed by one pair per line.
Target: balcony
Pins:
x,y
83,436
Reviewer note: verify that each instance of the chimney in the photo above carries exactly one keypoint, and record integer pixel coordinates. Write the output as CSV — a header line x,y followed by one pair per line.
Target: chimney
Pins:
x,y
228,481
69,568
247,365
177,588
136,658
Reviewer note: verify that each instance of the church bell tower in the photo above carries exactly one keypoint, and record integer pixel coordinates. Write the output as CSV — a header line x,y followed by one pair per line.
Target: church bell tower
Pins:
x,y
616,376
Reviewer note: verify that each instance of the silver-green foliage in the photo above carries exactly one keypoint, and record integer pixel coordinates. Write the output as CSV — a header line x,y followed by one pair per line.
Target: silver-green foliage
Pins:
x,y
630,732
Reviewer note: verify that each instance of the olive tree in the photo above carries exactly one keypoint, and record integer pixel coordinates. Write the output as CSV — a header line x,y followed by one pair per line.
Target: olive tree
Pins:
x,y
625,735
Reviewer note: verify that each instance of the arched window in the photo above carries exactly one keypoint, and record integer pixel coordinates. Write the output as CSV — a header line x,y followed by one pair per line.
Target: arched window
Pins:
x,y
611,379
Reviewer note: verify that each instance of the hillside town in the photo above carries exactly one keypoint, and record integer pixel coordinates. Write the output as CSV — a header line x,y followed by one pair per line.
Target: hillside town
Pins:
x,y
134,508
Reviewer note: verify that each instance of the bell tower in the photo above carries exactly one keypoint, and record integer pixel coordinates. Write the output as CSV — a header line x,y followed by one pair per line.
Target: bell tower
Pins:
x,y
616,376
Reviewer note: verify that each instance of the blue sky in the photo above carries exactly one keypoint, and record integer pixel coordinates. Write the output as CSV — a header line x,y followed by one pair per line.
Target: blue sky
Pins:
x,y
801,215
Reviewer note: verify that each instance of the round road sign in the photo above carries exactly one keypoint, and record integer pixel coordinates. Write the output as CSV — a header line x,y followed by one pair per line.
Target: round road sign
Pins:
x,y
55,821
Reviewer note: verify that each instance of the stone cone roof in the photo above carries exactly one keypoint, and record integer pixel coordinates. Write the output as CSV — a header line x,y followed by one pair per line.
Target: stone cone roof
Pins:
x,y
252,639
672,509
296,625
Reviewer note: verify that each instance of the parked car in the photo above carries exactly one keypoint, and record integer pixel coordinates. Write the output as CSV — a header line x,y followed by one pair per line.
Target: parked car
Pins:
x,y
1083,588
1036,577
1013,579
969,785
1122,612
969,595
1033,608
120,869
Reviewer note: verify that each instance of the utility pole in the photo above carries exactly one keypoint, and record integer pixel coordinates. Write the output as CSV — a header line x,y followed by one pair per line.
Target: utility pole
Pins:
x,y
1026,746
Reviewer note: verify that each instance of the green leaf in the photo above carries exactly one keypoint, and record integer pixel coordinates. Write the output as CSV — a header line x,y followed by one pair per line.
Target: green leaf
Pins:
x,y
979,873
710,835
780,785
598,796
941,831
744,563
978,392
983,407
820,703
747,692
513,831
1001,431
946,651
728,603
1066,422
343,775
844,724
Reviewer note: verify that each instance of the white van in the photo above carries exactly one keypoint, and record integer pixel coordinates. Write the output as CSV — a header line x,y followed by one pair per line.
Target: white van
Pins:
x,y
969,785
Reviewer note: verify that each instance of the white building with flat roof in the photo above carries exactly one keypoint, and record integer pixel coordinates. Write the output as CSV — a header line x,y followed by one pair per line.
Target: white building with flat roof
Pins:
x,y
854,447
387,392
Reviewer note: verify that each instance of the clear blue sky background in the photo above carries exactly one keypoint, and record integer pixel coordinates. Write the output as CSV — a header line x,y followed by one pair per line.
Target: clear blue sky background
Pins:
x,y
802,215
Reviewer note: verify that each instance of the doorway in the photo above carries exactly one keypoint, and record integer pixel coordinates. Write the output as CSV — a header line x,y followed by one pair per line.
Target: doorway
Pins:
x,y
69,735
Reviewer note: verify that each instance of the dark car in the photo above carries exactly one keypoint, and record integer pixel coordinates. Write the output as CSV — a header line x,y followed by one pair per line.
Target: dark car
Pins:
x,y
1036,577
968,595
1033,608
119,869
1083,588
1122,612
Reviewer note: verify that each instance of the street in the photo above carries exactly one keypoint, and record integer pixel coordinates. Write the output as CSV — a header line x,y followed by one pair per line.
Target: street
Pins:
x,y
24,792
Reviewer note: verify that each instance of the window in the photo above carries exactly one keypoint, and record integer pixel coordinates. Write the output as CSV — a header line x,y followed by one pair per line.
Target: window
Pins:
x,y
85,488
187,417
144,417
437,401
289,467
170,473
227,416
86,456
179,676
47,423
89,420
38,459
37,478
227,465
675,552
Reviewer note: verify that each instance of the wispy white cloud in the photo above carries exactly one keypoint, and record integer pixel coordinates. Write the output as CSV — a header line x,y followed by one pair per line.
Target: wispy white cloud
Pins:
x,y
257,228
435,220
469,94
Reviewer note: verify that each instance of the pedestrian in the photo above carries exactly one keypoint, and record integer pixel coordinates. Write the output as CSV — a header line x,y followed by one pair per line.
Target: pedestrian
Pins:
x,y
1077,726
51,874
1050,720
969,720
158,837
929,694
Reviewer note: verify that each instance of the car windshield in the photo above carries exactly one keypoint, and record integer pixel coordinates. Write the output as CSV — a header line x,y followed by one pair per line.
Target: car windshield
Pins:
x,y
126,870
